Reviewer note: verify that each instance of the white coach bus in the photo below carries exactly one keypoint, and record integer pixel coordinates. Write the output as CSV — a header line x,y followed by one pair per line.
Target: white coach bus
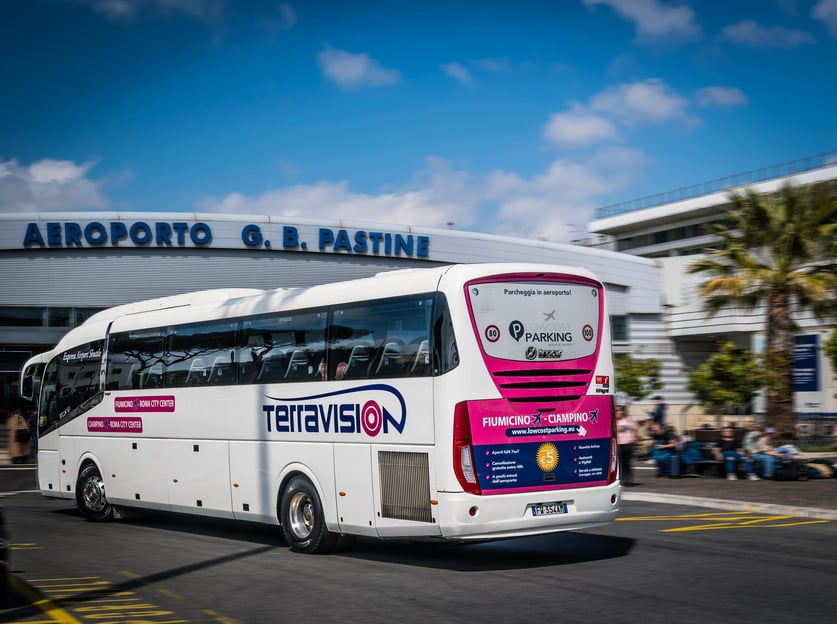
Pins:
x,y
464,402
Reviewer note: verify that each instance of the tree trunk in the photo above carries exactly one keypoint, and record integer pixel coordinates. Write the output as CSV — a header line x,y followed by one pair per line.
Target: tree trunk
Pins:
x,y
780,414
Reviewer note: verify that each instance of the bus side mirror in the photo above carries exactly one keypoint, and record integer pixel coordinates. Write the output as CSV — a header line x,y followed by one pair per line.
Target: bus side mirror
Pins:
x,y
30,381
27,387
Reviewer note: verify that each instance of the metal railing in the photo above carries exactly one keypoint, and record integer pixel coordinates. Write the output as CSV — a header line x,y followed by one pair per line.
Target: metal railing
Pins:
x,y
771,172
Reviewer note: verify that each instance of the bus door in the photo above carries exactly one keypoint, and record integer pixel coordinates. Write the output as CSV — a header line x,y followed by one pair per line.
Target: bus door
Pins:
x,y
49,472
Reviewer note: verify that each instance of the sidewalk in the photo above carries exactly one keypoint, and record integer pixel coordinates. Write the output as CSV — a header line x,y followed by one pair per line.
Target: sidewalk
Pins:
x,y
814,498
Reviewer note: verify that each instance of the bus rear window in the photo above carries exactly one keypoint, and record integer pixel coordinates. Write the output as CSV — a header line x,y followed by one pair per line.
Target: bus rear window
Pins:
x,y
536,321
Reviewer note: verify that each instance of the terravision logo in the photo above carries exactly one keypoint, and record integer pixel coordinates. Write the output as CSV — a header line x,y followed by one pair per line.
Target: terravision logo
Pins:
x,y
372,409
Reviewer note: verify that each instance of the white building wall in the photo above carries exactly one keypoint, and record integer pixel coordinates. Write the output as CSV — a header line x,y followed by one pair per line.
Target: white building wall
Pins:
x,y
692,334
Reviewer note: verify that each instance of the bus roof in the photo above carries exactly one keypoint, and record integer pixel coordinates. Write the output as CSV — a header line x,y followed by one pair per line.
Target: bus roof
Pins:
x,y
231,302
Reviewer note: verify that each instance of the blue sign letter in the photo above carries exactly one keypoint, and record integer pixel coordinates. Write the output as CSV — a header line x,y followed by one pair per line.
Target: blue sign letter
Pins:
x,y
290,237
33,235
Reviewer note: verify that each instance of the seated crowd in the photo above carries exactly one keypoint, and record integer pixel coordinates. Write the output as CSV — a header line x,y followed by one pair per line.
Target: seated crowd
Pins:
x,y
730,450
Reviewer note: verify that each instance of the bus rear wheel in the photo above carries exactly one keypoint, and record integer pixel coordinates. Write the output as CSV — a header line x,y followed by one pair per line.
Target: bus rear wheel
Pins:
x,y
302,518
90,495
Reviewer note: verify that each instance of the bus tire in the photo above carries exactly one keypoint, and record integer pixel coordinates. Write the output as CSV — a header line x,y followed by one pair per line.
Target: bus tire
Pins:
x,y
90,495
303,519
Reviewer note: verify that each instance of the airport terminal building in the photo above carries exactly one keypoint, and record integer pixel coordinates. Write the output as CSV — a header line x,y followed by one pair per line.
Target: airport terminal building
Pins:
x,y
58,269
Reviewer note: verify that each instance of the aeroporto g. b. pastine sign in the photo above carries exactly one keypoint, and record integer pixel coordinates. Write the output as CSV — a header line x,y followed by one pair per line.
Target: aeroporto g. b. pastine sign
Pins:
x,y
199,234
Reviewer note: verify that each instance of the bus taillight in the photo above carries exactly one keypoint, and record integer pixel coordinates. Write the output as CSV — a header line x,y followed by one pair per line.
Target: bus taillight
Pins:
x,y
463,456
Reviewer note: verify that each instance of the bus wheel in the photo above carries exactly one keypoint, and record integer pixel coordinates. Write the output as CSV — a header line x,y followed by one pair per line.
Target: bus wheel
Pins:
x,y
302,518
90,495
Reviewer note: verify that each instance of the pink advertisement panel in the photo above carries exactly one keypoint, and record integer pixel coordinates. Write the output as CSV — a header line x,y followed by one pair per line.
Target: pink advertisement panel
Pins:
x,y
114,424
144,404
518,451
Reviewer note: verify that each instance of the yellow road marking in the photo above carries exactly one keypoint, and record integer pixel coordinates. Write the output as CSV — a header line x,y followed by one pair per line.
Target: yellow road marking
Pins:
x,y
690,516
216,617
94,598
24,546
712,527
42,603
711,521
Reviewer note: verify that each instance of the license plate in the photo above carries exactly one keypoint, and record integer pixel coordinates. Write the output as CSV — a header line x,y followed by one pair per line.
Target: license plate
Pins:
x,y
547,509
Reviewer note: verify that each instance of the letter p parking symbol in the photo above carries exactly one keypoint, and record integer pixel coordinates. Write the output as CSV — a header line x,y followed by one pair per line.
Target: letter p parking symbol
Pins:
x,y
516,330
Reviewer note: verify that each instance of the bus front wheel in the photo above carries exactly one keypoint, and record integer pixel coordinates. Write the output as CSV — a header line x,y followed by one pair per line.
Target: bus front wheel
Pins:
x,y
302,518
90,495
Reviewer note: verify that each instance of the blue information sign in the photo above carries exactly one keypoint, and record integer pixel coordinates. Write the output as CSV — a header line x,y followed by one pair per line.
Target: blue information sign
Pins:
x,y
806,374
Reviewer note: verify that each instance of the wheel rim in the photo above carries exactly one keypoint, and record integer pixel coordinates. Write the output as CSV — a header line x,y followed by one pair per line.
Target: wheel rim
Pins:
x,y
93,494
301,515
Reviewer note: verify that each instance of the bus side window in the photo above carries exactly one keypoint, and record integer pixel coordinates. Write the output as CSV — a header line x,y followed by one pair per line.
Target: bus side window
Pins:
x,y
356,365
386,338
420,360
135,360
222,369
354,343
283,347
195,350
391,362
252,347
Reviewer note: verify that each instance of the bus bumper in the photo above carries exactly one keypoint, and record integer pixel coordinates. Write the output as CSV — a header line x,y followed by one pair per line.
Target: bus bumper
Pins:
x,y
466,516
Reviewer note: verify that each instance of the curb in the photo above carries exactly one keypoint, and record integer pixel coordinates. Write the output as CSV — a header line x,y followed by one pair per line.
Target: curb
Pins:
x,y
722,503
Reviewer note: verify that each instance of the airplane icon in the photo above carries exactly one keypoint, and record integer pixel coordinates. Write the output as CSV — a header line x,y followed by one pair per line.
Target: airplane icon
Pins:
x,y
548,316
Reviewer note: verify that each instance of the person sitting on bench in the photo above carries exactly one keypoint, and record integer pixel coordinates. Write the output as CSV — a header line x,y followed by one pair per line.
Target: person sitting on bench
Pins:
x,y
730,452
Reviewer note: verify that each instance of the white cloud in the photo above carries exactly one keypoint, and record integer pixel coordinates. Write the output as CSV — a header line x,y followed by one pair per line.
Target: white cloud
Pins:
x,y
48,185
335,200
464,71
554,205
749,33
720,96
654,20
493,65
353,71
436,196
578,127
628,105
458,72
557,204
205,10
649,101
826,11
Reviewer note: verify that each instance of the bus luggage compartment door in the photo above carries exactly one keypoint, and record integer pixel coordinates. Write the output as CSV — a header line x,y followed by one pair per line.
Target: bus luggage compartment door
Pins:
x,y
49,473
353,488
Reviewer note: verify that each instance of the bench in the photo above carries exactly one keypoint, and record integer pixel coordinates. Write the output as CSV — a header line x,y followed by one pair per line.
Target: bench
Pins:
x,y
708,465
709,468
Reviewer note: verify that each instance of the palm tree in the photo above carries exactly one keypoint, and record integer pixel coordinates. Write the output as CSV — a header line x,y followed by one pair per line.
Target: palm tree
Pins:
x,y
778,251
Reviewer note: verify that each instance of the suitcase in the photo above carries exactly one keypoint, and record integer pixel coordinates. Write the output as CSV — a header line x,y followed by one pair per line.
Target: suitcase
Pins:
x,y
674,466
791,471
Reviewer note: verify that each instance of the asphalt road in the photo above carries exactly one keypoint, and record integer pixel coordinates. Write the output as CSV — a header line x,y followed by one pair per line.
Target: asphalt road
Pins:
x,y
658,563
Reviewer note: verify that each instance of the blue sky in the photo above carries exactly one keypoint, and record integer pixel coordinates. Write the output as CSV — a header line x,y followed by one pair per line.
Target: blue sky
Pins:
x,y
514,118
